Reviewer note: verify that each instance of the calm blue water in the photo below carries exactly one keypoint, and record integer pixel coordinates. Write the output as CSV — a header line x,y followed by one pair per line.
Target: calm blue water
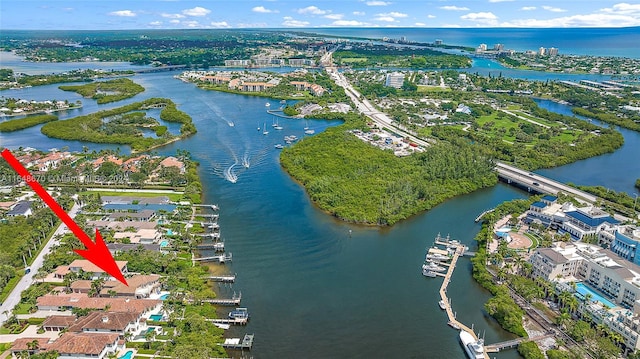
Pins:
x,y
315,289
621,42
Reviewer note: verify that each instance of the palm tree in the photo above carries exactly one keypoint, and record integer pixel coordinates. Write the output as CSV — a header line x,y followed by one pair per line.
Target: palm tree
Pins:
x,y
563,298
563,318
33,345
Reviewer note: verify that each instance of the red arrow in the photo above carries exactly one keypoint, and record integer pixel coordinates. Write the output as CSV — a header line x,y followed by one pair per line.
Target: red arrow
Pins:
x,y
96,253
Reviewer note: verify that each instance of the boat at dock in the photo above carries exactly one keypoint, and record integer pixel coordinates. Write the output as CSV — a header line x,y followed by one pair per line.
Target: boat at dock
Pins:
x,y
473,348
453,325
437,257
428,273
239,313
432,266
442,304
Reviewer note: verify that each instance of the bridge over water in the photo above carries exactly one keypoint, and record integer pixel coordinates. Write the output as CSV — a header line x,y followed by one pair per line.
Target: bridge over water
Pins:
x,y
539,183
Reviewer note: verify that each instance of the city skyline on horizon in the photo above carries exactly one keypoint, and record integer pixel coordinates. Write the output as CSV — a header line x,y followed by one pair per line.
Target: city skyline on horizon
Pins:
x,y
277,14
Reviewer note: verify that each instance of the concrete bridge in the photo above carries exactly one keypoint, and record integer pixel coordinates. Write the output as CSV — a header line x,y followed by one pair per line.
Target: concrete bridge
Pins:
x,y
538,183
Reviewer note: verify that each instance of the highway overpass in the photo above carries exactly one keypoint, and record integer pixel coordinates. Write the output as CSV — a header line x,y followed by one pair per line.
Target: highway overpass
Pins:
x,y
538,183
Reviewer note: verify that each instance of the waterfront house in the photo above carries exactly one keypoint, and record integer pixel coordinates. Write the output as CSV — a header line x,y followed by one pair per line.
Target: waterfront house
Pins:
x,y
84,266
57,323
120,323
63,302
86,345
22,208
30,346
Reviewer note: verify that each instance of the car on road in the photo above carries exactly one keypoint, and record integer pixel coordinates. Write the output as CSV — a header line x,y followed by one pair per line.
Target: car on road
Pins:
x,y
536,183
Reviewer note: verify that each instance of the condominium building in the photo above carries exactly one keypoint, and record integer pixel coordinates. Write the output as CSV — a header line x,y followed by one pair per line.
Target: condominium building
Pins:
x,y
394,79
626,243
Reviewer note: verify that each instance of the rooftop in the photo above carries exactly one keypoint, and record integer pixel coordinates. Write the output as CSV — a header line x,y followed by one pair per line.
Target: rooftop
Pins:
x,y
88,344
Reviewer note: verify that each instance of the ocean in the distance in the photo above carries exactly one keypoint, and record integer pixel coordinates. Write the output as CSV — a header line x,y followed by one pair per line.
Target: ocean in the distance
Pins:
x,y
621,42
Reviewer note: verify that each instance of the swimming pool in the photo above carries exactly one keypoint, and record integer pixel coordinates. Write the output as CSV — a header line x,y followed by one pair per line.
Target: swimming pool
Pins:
x,y
156,317
169,232
164,296
583,290
127,355
164,243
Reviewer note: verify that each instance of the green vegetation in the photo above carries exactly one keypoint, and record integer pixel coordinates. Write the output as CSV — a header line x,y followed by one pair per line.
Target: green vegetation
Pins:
x,y
22,123
530,350
620,202
637,183
192,47
632,123
383,56
359,183
502,307
531,146
107,91
100,127
12,80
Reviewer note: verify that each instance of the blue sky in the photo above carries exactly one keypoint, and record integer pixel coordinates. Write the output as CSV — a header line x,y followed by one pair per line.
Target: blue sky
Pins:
x,y
185,14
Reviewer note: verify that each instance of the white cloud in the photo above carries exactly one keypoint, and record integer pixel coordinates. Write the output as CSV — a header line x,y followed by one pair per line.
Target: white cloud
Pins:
x,y
359,13
378,3
220,24
262,9
431,16
334,16
196,11
454,8
588,20
290,22
623,8
348,23
191,23
174,21
528,8
486,18
155,23
420,24
124,13
394,14
500,0
553,9
385,18
172,16
252,25
312,10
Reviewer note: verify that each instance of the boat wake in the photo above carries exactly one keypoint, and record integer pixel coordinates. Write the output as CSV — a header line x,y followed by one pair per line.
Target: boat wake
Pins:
x,y
245,160
230,175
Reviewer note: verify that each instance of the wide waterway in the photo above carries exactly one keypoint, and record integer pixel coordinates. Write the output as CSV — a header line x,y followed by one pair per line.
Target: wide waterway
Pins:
x,y
317,287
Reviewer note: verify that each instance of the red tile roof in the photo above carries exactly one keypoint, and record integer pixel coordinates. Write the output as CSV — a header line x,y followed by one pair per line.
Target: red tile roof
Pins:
x,y
83,343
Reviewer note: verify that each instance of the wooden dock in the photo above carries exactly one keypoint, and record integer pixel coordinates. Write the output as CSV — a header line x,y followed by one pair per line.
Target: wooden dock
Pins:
x,y
237,343
220,258
222,278
233,301
459,250
235,321
483,213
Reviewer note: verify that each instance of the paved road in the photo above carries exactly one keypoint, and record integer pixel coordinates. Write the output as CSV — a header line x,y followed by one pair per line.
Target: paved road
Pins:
x,y
364,106
14,298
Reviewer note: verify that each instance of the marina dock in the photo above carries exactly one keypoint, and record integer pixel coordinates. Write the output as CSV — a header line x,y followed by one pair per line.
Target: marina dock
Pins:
x,y
508,344
459,249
